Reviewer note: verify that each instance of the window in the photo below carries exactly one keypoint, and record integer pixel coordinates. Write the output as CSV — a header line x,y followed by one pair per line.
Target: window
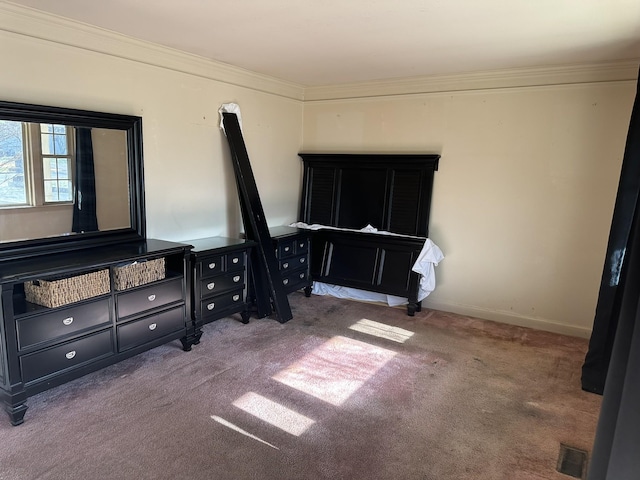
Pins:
x,y
12,178
56,163
36,164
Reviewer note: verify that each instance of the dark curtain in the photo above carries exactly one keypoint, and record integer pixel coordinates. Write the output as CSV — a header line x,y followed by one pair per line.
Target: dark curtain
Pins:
x,y
614,282
84,208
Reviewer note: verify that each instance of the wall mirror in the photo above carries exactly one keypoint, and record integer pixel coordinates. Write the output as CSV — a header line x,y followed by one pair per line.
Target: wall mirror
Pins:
x,y
68,179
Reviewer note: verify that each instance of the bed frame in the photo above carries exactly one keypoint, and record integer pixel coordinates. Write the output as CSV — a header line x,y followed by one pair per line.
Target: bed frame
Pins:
x,y
391,192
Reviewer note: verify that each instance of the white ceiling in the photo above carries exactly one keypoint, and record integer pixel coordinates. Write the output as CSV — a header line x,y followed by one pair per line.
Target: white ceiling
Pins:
x,y
326,42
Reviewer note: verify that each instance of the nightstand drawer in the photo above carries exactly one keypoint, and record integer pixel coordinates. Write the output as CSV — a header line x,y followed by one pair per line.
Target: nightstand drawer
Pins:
x,y
302,245
147,329
213,305
286,248
212,286
67,355
211,266
294,280
293,263
214,265
235,261
60,323
146,298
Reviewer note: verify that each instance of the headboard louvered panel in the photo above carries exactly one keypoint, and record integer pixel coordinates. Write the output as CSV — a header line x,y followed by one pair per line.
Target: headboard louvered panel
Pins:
x,y
321,189
391,192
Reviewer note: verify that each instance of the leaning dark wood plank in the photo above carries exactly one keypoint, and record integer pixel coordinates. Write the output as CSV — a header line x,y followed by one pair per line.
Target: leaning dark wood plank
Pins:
x,y
254,214
258,283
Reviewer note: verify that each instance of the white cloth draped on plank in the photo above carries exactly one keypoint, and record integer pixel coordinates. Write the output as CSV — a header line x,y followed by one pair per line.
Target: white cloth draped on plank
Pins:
x,y
229,108
425,264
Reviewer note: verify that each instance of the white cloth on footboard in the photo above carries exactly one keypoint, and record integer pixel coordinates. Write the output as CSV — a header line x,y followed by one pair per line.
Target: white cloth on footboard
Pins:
x,y
428,259
425,264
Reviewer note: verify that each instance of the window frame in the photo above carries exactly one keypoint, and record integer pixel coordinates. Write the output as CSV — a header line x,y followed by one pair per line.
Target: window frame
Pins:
x,y
33,166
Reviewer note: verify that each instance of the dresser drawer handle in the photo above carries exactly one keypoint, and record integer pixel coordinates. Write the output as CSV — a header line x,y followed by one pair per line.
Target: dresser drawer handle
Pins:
x,y
70,354
236,279
236,298
153,326
302,275
285,265
151,298
212,265
302,260
235,260
211,306
285,281
68,321
211,285
286,249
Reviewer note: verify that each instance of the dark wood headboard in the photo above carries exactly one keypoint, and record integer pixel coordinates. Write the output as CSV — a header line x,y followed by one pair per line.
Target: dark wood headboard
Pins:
x,y
391,192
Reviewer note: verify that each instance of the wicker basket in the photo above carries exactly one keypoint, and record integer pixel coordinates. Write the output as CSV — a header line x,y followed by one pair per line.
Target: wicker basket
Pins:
x,y
138,273
62,291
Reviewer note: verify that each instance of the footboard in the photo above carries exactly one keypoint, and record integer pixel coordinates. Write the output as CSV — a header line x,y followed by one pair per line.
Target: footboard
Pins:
x,y
377,263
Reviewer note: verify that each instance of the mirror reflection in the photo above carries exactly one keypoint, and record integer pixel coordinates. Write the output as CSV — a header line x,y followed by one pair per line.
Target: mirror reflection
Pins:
x,y
60,180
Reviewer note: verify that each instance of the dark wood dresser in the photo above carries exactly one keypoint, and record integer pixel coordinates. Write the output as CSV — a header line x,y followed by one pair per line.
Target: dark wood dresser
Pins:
x,y
44,346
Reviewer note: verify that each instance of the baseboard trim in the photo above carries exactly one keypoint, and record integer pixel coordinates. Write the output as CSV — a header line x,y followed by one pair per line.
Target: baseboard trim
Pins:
x,y
509,318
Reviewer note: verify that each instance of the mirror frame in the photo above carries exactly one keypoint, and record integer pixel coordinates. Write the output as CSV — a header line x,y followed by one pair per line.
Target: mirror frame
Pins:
x,y
24,112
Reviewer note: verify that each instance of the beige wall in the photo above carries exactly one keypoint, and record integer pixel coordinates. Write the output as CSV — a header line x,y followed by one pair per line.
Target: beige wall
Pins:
x,y
522,201
18,224
190,187
523,196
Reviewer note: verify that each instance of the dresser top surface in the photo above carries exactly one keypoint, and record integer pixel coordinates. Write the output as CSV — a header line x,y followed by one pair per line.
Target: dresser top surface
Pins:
x,y
60,263
285,231
203,245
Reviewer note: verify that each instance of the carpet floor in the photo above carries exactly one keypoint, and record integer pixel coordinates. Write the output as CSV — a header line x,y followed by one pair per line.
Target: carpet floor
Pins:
x,y
345,390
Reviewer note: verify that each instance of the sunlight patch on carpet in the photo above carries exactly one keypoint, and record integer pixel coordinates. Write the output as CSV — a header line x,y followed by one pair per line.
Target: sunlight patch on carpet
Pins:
x,y
273,413
336,369
230,425
382,330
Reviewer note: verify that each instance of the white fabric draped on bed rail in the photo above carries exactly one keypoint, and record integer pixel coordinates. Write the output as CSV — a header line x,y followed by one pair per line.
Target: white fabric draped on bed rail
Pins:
x,y
427,260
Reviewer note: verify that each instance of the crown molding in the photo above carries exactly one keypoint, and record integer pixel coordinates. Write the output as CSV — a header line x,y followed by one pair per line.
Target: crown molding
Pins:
x,y
498,79
24,21
32,23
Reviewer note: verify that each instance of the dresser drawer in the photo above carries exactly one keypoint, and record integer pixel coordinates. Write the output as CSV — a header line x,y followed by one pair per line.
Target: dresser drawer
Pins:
x,y
215,285
214,305
66,356
146,298
147,329
293,263
60,323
